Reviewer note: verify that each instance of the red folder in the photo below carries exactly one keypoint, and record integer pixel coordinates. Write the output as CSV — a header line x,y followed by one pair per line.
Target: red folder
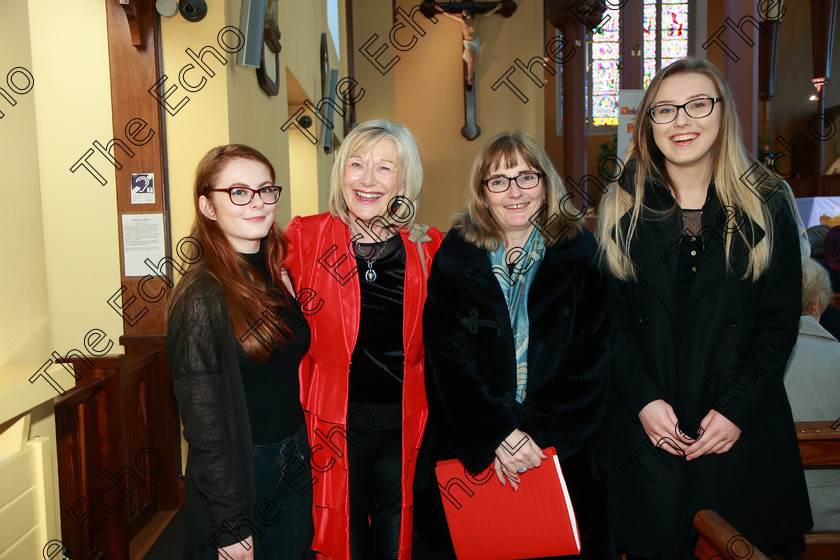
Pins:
x,y
488,521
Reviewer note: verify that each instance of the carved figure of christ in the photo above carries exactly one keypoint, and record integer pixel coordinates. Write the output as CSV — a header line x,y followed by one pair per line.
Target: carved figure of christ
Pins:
x,y
468,22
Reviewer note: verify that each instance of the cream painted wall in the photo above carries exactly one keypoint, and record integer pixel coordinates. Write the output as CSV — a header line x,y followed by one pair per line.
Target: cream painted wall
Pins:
x,y
430,99
60,245
25,328
232,108
424,91
374,17
302,161
73,108
302,24
200,124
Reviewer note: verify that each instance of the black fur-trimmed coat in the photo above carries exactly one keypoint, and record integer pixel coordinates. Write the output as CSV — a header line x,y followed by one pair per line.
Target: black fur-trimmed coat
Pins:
x,y
470,379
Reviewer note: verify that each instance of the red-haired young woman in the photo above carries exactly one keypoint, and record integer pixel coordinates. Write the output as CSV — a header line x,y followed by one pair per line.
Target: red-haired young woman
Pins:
x,y
235,339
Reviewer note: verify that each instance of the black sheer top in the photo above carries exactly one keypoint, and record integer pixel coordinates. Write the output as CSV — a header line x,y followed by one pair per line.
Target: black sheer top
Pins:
x,y
689,252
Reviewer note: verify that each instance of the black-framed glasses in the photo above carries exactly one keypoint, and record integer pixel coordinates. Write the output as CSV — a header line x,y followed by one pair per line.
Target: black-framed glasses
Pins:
x,y
696,109
500,183
242,196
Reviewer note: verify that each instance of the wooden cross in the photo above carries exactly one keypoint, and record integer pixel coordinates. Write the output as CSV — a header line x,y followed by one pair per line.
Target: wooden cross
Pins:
x,y
466,17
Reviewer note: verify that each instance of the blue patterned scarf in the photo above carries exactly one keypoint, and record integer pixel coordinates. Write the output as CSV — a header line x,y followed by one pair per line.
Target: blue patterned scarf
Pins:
x,y
515,287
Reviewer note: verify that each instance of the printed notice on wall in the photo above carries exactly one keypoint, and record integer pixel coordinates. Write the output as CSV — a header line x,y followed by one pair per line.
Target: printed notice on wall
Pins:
x,y
142,239
142,188
628,101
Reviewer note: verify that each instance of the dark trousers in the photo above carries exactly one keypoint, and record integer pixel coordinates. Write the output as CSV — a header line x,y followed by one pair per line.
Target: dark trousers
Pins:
x,y
375,466
283,509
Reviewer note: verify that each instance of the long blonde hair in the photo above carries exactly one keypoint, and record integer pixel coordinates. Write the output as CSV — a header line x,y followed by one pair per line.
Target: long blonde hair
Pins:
x,y
732,164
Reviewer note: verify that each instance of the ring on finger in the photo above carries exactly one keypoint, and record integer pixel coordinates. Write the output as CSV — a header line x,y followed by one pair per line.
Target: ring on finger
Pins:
x,y
521,469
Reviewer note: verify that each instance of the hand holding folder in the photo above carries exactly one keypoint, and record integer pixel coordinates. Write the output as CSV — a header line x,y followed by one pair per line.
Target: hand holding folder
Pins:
x,y
488,521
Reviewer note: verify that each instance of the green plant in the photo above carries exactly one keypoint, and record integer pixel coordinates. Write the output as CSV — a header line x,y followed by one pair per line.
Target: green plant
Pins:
x,y
762,140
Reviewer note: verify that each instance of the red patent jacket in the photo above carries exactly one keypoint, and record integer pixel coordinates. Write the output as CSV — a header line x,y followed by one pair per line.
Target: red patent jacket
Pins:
x,y
324,272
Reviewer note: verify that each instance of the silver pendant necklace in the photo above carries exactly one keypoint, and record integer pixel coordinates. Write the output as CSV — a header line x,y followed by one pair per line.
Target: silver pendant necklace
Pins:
x,y
370,274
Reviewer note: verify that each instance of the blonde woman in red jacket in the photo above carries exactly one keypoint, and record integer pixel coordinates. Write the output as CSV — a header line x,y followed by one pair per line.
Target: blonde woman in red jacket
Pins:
x,y
361,270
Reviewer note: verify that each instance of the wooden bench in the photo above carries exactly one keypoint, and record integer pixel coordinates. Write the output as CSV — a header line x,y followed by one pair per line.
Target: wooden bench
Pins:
x,y
819,445
719,540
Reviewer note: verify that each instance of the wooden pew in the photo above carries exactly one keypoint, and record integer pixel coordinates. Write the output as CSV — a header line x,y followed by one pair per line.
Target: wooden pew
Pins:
x,y
819,445
718,539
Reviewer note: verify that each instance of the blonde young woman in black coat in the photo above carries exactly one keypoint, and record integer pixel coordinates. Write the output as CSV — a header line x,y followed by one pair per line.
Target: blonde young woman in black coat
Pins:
x,y
702,244
517,343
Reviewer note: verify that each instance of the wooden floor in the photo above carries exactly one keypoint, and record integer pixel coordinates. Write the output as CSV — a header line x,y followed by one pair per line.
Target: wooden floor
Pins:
x,y
143,542
163,539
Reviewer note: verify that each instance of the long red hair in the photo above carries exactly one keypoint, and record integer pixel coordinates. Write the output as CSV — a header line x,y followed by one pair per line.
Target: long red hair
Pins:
x,y
250,302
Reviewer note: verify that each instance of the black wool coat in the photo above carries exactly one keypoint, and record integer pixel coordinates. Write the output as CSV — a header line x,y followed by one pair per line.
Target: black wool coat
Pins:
x,y
724,349
470,379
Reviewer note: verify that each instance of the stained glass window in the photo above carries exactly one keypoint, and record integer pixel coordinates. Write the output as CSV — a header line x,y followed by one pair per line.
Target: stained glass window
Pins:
x,y
669,42
665,39
605,78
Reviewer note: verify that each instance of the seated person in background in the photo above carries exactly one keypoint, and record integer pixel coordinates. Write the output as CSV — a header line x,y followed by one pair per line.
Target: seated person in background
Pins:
x,y
816,238
812,381
830,319
830,258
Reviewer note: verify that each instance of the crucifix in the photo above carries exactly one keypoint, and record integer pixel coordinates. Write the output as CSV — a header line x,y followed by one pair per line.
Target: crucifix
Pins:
x,y
465,14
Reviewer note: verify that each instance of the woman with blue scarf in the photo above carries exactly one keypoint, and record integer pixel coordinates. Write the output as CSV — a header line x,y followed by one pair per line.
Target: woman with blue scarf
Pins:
x,y
517,338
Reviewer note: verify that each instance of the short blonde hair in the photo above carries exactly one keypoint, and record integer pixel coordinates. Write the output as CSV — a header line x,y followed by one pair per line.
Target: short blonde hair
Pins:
x,y
361,140
477,223
816,286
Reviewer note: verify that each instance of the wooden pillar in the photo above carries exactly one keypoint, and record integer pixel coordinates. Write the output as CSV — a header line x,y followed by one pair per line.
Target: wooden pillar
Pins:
x,y
632,40
698,27
574,116
134,54
742,70
575,20
138,130
823,16
350,108
768,57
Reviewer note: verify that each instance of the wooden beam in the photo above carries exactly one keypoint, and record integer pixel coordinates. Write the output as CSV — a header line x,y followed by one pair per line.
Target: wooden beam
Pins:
x,y
742,73
574,117
135,24
823,16
632,68
136,117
